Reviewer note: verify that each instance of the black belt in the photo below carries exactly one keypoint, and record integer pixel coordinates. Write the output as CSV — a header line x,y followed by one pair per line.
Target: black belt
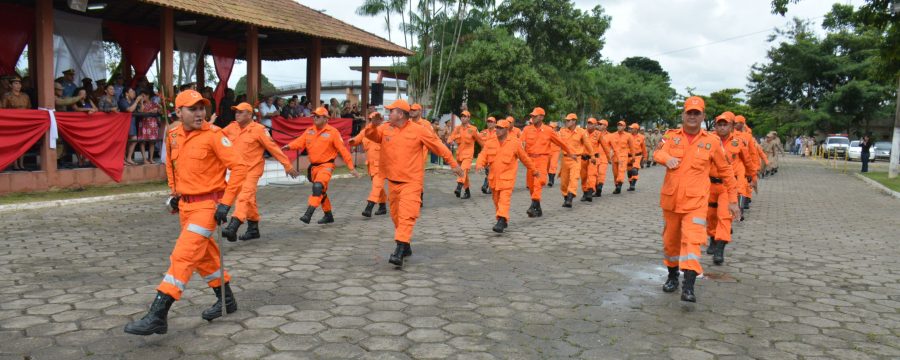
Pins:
x,y
713,205
312,165
715,180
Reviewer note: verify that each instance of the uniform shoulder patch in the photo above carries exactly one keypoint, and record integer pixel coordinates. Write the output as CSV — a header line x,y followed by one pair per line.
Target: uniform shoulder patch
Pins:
x,y
226,142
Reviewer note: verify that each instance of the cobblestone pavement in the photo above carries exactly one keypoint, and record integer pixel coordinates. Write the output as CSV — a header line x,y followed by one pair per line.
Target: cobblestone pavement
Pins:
x,y
812,274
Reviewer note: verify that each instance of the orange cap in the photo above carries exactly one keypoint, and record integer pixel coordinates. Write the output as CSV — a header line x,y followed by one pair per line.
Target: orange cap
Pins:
x,y
571,116
727,116
491,119
189,98
415,106
399,104
374,114
465,113
621,123
592,121
634,126
740,119
243,107
538,111
604,122
694,103
320,111
510,119
503,124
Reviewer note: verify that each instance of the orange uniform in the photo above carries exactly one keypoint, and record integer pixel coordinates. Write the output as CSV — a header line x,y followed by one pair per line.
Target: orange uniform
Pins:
x,y
638,148
685,193
501,158
580,143
605,158
402,165
196,162
465,136
622,144
590,172
424,123
536,140
718,218
323,146
251,141
373,153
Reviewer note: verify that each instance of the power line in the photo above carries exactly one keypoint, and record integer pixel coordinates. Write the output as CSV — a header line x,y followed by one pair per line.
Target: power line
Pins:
x,y
727,39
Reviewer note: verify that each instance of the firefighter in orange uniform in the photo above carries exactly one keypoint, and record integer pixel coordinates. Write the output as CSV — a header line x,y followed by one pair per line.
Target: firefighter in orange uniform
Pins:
x,y
570,173
513,130
401,164
606,155
554,158
197,157
536,138
688,154
373,152
719,219
322,143
489,132
250,139
622,143
752,167
465,136
500,154
639,146
589,169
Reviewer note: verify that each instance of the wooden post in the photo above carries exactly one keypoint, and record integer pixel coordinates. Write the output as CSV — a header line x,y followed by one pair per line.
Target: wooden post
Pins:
x,y
201,71
43,75
252,64
314,73
167,53
364,101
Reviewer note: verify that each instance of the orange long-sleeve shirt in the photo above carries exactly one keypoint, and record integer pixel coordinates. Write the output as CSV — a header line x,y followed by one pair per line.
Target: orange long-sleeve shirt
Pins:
x,y
401,157
372,149
686,187
622,143
537,139
465,136
738,153
578,140
323,145
502,162
251,140
196,162
639,145
601,145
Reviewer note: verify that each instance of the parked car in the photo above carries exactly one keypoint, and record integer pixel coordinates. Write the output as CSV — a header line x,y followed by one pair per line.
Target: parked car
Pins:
x,y
855,152
836,145
882,150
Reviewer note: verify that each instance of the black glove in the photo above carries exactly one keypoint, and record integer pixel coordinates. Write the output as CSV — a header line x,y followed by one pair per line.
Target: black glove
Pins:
x,y
221,213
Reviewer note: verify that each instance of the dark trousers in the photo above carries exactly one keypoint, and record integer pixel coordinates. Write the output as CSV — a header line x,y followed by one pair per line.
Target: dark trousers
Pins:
x,y
864,157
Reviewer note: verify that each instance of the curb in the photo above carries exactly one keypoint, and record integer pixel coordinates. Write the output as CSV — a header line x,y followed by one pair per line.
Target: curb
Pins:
x,y
878,186
66,202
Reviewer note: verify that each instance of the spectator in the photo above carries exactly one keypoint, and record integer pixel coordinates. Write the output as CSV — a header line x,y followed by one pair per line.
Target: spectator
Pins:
x,y
291,110
226,113
16,99
85,104
107,102
267,110
149,132
68,83
119,84
28,89
279,105
811,146
207,94
334,111
130,102
444,131
88,85
62,102
866,145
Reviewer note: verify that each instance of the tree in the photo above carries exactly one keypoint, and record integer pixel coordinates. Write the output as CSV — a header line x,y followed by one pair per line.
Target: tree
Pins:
x,y
265,87
634,96
646,65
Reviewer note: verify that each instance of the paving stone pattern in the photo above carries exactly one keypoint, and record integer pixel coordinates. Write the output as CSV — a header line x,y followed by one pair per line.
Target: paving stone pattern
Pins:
x,y
811,274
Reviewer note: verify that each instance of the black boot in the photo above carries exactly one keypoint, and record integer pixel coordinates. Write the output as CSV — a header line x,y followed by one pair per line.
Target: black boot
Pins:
x,y
687,287
367,212
711,247
308,215
588,195
719,255
532,209
567,201
215,310
631,185
230,230
501,224
537,209
327,219
458,190
671,282
155,321
252,231
599,190
401,251
484,187
382,209
466,194
618,189
550,179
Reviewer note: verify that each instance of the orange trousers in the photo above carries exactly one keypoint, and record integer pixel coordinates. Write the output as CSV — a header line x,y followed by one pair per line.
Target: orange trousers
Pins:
x,y
405,201
620,166
195,250
569,176
246,208
377,194
637,166
466,165
718,218
536,185
743,186
321,174
554,162
602,166
683,233
502,198
588,176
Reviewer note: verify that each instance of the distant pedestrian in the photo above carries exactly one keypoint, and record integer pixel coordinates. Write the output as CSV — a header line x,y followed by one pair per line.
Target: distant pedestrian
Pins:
x,y
866,145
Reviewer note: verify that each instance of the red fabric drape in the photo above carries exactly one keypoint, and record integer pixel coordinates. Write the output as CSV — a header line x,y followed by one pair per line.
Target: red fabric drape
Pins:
x,y
286,130
223,53
101,137
19,130
140,44
15,32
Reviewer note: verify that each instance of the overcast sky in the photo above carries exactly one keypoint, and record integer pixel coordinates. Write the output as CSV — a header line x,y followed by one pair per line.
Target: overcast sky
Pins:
x,y
653,28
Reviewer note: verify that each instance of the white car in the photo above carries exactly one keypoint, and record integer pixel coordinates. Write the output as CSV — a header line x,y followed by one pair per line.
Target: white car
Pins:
x,y
835,146
855,152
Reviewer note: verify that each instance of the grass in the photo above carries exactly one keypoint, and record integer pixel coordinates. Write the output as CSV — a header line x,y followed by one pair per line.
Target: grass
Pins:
x,y
76,193
882,178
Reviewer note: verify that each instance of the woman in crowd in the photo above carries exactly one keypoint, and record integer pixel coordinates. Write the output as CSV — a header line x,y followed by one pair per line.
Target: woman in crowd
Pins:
x,y
149,132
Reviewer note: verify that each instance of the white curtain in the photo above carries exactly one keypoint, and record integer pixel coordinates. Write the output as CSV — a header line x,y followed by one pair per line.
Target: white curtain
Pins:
x,y
190,48
78,45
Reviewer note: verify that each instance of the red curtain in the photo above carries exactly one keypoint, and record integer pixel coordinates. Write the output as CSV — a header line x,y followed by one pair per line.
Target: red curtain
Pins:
x,y
19,130
139,44
15,32
286,130
224,53
100,137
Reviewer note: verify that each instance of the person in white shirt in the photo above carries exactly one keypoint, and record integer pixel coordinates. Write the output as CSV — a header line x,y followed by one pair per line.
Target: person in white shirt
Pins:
x,y
267,110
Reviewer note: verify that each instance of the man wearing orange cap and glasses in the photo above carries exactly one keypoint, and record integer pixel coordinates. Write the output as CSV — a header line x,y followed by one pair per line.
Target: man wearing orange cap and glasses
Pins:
x,y
536,138
639,146
373,153
465,136
570,172
487,135
322,143
197,157
250,140
622,143
401,164
500,154
718,218
689,154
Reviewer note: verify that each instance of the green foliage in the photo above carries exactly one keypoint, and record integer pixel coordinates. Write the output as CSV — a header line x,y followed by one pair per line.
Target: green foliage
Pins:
x,y
265,87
